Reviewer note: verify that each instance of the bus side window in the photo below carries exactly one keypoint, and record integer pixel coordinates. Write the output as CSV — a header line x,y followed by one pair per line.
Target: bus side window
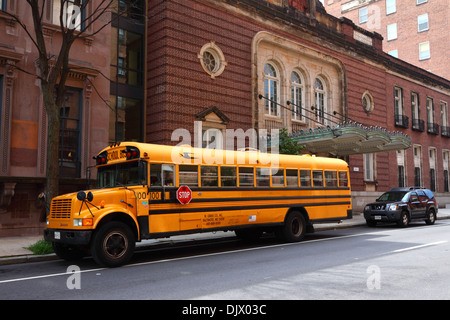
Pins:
x,y
245,177
262,177
209,176
343,179
228,176
318,178
330,179
168,174
292,177
188,175
155,175
305,178
277,177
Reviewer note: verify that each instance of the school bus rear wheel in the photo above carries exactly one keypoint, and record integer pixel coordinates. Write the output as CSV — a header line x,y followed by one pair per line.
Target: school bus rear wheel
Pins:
x,y
113,244
294,227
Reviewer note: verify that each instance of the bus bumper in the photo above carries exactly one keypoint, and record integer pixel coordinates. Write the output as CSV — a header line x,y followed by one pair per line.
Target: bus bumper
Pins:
x,y
73,237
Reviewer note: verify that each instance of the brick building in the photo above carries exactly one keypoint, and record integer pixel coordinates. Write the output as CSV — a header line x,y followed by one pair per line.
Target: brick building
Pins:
x,y
415,31
295,51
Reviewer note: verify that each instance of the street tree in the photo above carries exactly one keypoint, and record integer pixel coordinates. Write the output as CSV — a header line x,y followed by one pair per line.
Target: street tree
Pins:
x,y
78,19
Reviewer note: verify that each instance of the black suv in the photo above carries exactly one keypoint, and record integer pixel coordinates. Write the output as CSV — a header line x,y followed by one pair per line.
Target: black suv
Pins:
x,y
402,205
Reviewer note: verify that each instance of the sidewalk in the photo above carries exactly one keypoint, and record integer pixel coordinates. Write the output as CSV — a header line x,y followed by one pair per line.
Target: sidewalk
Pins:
x,y
13,250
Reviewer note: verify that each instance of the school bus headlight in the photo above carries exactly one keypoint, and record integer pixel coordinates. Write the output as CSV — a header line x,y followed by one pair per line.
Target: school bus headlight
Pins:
x,y
83,222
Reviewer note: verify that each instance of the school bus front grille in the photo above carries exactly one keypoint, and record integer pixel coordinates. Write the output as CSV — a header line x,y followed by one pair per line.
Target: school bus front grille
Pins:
x,y
61,209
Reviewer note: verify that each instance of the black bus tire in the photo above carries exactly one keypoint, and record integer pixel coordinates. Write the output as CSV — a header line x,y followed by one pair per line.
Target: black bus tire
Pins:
x,y
294,227
113,244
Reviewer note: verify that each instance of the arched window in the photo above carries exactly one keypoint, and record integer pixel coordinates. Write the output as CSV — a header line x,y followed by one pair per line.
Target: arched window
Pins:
x,y
296,96
320,100
271,85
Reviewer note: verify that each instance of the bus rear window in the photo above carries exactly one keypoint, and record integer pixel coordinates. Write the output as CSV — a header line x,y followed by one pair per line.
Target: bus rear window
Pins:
x,y
343,179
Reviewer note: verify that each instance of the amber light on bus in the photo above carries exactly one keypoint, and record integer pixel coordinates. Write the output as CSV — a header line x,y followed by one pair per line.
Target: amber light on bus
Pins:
x,y
83,222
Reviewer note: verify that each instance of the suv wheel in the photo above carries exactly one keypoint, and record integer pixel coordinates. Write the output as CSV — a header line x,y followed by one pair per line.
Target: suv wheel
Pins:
x,y
404,220
431,217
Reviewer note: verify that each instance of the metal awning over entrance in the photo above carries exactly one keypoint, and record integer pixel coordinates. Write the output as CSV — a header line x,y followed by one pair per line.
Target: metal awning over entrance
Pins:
x,y
350,138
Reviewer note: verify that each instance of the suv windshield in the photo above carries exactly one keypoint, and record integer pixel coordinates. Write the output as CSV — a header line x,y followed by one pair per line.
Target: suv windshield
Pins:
x,y
392,196
122,174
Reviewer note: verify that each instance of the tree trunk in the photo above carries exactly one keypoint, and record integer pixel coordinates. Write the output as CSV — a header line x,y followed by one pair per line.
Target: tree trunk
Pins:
x,y
53,136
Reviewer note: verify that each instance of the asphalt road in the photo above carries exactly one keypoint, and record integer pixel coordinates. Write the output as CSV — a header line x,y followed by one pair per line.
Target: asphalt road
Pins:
x,y
356,263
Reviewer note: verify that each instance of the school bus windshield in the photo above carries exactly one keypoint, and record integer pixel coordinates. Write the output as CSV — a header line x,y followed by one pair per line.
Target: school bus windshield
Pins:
x,y
122,174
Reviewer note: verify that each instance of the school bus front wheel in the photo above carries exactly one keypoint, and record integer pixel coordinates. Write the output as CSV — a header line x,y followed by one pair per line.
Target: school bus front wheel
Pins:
x,y
113,244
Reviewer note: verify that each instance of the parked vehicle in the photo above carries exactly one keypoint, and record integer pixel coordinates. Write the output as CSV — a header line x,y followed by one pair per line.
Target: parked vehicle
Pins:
x,y
402,205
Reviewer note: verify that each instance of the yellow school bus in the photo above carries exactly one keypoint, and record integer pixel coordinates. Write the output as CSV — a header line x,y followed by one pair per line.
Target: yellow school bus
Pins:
x,y
149,191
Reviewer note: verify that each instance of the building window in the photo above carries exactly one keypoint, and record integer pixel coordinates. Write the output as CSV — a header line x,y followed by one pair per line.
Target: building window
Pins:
x,y
432,152
212,59
369,169
126,122
392,32
271,88
3,5
401,164
417,124
445,129
424,50
127,58
390,6
212,138
394,53
320,95
446,161
400,119
297,100
421,1
70,134
422,22
417,166
363,15
433,127
367,102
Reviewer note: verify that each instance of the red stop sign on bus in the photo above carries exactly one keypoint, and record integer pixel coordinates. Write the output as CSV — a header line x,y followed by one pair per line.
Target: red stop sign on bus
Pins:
x,y
184,194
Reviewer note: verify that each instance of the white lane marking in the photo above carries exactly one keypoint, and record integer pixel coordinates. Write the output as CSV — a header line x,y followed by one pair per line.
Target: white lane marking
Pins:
x,y
47,276
419,246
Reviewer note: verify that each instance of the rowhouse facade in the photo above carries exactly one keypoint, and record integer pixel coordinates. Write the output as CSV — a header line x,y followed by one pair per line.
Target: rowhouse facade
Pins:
x,y
23,133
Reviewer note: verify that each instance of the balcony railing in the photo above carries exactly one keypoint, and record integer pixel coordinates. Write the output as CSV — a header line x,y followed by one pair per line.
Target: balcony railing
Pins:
x,y
418,125
445,132
433,128
401,121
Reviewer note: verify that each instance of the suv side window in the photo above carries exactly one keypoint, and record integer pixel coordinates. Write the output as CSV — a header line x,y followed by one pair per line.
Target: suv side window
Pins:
x,y
413,197
429,193
422,195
